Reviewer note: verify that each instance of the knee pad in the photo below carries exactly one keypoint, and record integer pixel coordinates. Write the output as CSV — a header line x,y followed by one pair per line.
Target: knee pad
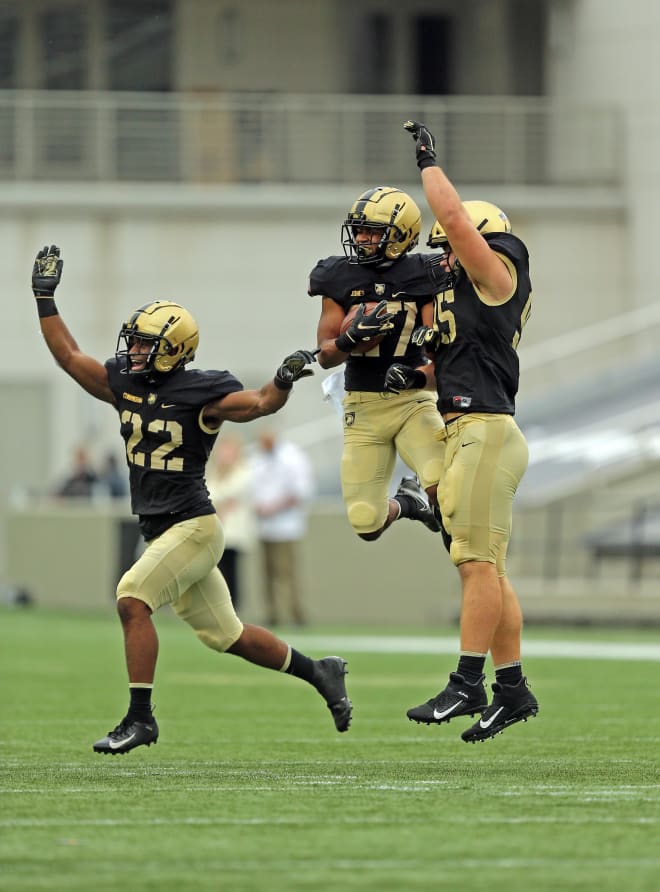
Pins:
x,y
220,639
457,554
431,472
363,517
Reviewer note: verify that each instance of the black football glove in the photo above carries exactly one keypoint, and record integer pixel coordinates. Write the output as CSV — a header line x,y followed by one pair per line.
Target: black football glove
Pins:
x,y
425,337
402,377
294,367
365,326
47,272
424,144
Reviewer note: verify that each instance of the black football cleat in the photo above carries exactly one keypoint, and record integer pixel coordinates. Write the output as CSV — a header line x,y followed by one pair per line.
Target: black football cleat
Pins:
x,y
511,704
421,509
458,698
329,681
126,736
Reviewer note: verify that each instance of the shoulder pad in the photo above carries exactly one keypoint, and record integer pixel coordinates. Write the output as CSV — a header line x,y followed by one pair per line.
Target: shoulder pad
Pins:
x,y
508,244
333,277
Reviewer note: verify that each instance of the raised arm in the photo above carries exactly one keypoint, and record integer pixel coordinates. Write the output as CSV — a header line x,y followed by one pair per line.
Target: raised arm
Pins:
x,y
87,371
486,270
246,405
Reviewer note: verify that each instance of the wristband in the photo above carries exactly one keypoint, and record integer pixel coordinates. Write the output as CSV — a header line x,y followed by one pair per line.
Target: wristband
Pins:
x,y
417,380
46,306
423,163
345,343
282,385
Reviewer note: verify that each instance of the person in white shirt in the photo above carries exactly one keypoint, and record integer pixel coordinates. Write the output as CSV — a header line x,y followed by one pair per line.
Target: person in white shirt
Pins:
x,y
282,486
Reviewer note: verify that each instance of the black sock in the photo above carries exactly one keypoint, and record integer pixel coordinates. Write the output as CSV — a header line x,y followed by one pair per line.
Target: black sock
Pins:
x,y
140,706
471,667
301,666
408,505
509,674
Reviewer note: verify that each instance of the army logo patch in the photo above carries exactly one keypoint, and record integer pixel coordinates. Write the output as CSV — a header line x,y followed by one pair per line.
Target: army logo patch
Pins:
x,y
349,419
151,399
379,289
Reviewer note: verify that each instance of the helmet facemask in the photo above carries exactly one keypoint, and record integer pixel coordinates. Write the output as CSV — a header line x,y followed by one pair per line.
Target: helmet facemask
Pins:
x,y
366,252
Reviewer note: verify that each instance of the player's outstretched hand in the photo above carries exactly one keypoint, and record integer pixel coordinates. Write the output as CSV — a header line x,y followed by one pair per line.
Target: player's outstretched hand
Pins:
x,y
401,377
424,144
47,271
294,367
425,337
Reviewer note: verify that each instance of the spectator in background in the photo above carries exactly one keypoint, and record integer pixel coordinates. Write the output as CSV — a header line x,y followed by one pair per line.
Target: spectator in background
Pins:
x,y
113,479
229,484
282,485
82,480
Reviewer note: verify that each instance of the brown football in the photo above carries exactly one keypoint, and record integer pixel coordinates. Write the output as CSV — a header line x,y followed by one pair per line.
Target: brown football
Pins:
x,y
364,346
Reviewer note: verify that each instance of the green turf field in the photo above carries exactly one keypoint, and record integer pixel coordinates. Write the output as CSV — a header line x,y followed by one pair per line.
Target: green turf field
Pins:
x,y
251,788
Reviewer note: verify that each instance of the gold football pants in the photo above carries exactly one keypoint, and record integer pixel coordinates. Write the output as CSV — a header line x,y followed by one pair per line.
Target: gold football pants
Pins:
x,y
377,426
486,458
180,568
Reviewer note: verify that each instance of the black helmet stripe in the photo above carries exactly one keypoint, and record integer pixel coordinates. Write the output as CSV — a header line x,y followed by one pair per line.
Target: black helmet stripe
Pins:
x,y
361,204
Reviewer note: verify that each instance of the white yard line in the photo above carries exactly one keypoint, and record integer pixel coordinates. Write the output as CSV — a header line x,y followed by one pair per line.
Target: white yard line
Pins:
x,y
402,644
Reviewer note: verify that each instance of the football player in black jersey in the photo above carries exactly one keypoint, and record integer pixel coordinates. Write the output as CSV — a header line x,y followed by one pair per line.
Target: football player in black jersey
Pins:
x,y
169,418
482,306
378,235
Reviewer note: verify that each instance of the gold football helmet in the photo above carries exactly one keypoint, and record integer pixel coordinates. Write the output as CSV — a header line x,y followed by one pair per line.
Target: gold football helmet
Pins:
x,y
382,208
486,217
172,330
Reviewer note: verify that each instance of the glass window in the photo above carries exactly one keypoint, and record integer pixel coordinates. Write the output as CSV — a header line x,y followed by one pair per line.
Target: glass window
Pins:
x,y
138,44
63,40
433,55
9,48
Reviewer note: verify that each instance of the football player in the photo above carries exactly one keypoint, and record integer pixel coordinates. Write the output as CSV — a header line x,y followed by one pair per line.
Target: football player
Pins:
x,y
169,418
378,235
482,306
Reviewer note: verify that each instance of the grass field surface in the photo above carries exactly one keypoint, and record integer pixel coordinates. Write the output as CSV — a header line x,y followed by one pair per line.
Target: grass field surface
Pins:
x,y
251,788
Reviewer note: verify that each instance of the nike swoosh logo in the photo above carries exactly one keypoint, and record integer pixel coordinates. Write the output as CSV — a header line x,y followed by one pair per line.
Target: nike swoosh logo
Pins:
x,y
397,293
167,405
471,443
441,715
115,744
385,326
489,722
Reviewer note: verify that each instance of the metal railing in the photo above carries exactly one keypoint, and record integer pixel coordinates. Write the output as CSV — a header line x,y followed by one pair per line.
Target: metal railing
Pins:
x,y
301,138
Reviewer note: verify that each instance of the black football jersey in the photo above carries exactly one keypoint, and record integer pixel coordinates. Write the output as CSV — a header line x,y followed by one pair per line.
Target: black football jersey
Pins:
x,y
476,363
405,285
166,446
